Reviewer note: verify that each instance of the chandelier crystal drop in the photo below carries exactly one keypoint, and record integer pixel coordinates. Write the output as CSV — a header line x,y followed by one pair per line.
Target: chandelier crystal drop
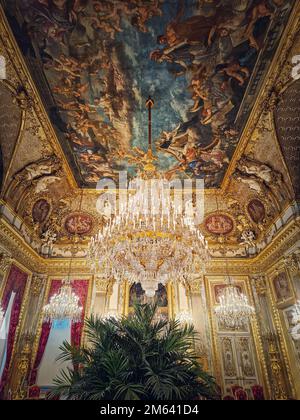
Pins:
x,y
234,310
184,317
152,236
63,305
148,247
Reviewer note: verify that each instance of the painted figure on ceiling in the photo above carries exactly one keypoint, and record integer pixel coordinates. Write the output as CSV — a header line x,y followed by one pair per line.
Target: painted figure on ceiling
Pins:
x,y
100,57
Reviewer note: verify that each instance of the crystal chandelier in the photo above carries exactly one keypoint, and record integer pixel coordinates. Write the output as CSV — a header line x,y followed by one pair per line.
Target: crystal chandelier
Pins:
x,y
234,310
153,238
63,305
184,317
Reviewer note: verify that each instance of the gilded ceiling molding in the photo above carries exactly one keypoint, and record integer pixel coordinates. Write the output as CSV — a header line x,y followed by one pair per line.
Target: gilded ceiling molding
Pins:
x,y
279,246
8,86
19,249
278,76
28,96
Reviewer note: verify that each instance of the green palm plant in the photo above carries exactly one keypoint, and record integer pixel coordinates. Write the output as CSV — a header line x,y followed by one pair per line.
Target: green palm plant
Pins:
x,y
134,358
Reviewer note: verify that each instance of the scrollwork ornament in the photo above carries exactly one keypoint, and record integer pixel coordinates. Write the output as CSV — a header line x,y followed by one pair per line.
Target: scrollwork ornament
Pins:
x,y
38,281
195,286
22,99
292,262
5,260
260,284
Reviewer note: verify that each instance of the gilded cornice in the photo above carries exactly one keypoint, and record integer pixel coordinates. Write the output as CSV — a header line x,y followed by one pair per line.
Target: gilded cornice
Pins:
x,y
280,244
14,244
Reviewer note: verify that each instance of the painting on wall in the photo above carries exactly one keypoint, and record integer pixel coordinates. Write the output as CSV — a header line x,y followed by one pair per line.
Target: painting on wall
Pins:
x,y
256,211
282,288
161,296
95,63
136,294
79,223
40,211
219,224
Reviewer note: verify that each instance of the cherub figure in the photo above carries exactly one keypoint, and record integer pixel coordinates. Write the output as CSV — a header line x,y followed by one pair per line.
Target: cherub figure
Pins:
x,y
234,70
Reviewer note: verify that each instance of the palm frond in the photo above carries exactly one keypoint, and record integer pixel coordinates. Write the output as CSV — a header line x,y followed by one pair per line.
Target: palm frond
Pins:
x,y
133,358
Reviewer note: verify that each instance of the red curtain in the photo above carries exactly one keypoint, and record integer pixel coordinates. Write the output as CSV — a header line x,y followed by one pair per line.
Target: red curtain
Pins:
x,y
80,287
46,328
16,282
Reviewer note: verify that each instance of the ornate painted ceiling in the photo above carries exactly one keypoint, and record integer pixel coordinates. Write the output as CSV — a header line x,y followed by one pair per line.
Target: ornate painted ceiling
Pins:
x,y
95,62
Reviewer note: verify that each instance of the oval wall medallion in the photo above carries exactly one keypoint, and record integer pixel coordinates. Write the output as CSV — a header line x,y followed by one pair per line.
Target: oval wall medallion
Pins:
x,y
219,224
79,223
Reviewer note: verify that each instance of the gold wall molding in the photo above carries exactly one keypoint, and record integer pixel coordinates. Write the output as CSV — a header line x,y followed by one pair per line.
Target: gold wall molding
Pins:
x,y
283,350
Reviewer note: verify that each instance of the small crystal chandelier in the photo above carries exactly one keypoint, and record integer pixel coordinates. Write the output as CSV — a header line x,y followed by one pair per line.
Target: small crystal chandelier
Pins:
x,y
153,238
184,317
63,305
234,310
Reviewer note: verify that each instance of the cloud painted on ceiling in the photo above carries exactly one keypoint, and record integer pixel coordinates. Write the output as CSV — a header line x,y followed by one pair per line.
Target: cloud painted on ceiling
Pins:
x,y
95,63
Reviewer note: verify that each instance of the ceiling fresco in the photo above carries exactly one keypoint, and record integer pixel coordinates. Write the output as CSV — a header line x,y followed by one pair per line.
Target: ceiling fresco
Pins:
x,y
95,63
